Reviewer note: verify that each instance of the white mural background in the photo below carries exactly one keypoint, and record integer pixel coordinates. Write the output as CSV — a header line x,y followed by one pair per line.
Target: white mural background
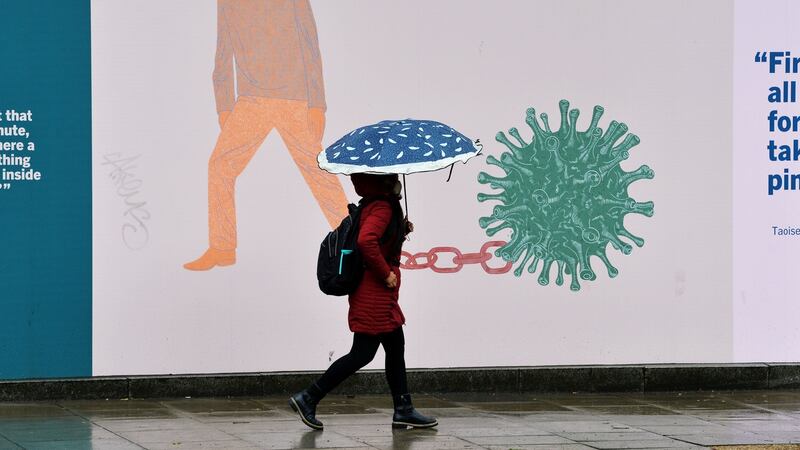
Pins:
x,y
476,66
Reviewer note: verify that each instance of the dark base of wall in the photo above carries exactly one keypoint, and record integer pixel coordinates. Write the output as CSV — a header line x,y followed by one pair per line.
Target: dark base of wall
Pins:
x,y
646,378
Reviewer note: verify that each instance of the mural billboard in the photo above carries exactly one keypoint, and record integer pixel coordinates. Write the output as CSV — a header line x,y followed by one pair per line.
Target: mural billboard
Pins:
x,y
615,188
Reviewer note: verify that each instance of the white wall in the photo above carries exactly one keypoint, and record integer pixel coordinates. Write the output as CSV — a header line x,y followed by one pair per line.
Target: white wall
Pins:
x,y
475,65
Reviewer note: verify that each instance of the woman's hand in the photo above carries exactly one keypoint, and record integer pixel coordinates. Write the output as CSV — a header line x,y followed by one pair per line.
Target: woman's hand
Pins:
x,y
391,280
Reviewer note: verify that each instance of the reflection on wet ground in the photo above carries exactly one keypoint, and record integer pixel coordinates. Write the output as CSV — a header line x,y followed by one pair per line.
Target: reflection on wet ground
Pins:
x,y
746,420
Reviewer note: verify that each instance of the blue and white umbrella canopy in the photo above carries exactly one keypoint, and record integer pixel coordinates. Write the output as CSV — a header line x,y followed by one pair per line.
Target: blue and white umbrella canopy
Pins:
x,y
397,146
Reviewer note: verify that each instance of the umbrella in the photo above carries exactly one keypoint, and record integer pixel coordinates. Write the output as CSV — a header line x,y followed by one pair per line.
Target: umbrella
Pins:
x,y
400,147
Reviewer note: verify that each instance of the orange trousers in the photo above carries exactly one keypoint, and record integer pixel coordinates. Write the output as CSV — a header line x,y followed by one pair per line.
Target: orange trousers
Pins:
x,y
251,120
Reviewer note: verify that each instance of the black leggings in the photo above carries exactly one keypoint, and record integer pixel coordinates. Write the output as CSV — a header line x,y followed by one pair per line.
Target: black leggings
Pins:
x,y
362,352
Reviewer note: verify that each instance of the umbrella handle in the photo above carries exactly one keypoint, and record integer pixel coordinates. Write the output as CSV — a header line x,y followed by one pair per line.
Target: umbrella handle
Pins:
x,y
405,195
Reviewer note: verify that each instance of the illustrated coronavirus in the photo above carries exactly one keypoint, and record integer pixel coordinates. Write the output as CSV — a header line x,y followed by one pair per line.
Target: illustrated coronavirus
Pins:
x,y
564,196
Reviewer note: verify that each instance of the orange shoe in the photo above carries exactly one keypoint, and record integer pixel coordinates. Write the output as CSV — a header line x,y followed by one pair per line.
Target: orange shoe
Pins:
x,y
212,257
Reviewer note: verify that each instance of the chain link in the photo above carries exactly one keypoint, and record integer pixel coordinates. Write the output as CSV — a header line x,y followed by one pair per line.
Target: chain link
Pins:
x,y
429,259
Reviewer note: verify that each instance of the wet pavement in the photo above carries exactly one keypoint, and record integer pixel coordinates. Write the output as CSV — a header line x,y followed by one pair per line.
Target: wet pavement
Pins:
x,y
751,419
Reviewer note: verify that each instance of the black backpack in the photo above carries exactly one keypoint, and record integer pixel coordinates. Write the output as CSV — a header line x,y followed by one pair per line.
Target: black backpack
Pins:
x,y
340,266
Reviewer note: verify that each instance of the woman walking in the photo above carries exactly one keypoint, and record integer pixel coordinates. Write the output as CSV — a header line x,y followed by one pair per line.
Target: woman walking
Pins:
x,y
375,317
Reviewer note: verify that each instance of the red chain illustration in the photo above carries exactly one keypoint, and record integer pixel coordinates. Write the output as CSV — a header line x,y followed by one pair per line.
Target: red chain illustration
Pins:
x,y
431,257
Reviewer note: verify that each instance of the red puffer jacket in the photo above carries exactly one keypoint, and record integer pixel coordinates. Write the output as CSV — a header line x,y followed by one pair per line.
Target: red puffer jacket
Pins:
x,y
373,306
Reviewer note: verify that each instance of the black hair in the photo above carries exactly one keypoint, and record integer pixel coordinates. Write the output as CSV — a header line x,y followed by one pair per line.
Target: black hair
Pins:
x,y
397,229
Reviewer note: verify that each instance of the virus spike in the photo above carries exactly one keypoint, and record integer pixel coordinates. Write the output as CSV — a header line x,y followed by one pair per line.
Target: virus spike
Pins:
x,y
586,267
604,145
579,258
615,160
597,113
494,230
534,264
642,173
503,197
563,130
560,276
528,256
594,138
495,162
633,238
515,133
497,213
613,135
614,203
546,122
617,243
565,199
544,275
501,138
530,118
630,141
485,221
495,182
643,208
504,212
572,139
574,286
612,271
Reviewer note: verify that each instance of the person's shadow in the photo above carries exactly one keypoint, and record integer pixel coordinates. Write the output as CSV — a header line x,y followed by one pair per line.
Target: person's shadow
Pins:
x,y
405,439
309,439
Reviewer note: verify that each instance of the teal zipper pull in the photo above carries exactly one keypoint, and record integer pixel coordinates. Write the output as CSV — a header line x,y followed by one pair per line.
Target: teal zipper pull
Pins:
x,y
341,258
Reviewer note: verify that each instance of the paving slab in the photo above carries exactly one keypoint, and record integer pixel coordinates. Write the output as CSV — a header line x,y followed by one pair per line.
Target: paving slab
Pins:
x,y
466,421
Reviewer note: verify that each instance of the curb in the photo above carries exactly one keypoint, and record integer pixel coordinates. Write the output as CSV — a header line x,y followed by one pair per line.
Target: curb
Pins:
x,y
622,378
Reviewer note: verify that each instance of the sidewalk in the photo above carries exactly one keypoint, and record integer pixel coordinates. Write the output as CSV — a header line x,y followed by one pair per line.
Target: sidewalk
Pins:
x,y
466,421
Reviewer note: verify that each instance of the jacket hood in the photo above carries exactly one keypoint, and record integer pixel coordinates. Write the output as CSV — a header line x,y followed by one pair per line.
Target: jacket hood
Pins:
x,y
368,185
